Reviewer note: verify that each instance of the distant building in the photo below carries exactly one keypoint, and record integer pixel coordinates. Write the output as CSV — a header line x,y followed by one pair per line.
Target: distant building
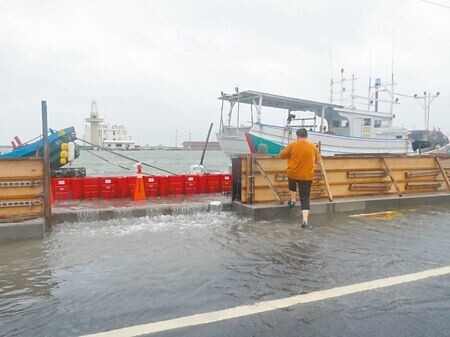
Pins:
x,y
115,137
198,145
104,135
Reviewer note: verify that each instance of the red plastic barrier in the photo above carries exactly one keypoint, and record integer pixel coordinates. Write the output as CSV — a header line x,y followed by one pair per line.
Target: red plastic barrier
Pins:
x,y
190,184
90,188
176,185
131,185
213,183
202,184
61,189
152,186
122,188
163,186
77,188
226,183
108,187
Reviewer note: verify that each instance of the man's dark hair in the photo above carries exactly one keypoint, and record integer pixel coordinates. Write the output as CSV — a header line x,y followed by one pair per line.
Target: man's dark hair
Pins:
x,y
302,133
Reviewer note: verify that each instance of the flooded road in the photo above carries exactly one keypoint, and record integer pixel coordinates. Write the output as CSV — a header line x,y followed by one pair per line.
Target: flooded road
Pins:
x,y
90,277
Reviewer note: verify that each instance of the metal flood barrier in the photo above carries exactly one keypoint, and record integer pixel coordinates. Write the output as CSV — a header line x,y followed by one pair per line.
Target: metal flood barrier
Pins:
x,y
21,189
263,179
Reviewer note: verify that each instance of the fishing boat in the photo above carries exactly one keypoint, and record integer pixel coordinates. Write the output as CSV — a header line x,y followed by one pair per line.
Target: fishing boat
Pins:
x,y
337,130
35,148
350,127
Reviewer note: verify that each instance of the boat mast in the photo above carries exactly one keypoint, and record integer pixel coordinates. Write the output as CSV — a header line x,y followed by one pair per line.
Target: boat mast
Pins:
x,y
221,115
353,91
237,119
331,73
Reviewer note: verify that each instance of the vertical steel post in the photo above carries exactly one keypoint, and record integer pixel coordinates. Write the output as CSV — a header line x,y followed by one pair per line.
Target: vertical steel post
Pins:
x,y
47,201
206,144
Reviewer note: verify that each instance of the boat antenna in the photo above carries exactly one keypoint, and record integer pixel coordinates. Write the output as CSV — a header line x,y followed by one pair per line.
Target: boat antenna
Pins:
x,y
342,86
238,104
369,100
331,72
392,73
353,91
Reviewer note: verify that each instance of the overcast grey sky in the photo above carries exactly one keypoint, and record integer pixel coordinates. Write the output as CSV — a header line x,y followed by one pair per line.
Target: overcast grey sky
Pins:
x,y
159,66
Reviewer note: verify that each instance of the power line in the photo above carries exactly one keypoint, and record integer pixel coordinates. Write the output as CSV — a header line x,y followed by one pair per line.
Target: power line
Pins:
x,y
435,4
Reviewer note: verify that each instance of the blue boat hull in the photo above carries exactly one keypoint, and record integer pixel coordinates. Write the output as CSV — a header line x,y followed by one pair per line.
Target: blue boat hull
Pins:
x,y
36,148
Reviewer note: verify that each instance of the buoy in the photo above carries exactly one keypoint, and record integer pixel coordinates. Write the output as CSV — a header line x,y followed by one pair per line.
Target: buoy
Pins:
x,y
70,151
139,189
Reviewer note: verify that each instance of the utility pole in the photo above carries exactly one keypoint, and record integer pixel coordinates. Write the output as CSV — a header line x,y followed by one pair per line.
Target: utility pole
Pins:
x,y
46,159
427,98
176,138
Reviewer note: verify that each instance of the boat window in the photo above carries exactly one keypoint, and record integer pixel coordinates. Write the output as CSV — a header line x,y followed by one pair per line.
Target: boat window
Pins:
x,y
377,123
343,123
367,121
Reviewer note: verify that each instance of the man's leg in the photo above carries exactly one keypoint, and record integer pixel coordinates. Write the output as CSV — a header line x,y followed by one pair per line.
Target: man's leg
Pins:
x,y
293,196
293,191
305,190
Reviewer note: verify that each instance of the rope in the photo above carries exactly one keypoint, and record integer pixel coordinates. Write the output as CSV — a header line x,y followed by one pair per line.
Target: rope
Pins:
x,y
110,162
126,157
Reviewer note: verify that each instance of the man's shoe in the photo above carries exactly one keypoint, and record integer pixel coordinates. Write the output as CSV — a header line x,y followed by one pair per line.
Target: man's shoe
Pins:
x,y
291,203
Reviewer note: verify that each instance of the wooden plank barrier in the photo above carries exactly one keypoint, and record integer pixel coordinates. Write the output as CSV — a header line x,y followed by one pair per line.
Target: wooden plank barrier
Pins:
x,y
21,189
265,180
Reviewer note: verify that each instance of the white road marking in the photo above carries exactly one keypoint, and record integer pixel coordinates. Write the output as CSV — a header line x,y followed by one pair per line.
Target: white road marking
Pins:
x,y
246,310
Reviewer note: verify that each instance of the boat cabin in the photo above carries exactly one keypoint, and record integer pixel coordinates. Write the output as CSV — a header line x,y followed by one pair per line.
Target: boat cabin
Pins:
x,y
313,115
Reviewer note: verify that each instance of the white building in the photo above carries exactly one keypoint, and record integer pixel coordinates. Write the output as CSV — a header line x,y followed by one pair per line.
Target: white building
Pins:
x,y
114,137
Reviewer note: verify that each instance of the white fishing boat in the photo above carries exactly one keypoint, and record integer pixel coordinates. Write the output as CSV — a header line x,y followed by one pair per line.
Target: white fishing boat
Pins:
x,y
335,129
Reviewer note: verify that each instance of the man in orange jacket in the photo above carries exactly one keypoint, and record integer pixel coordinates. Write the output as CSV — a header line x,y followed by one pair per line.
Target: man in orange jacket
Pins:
x,y
302,156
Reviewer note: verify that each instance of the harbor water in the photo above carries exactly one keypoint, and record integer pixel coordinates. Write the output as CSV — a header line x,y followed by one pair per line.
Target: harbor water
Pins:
x,y
177,161
88,277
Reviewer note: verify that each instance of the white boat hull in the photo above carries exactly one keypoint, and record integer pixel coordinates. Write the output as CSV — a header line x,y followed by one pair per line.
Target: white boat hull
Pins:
x,y
233,141
276,138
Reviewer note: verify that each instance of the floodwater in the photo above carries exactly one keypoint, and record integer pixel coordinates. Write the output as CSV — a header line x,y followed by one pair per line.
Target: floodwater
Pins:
x,y
91,277
88,277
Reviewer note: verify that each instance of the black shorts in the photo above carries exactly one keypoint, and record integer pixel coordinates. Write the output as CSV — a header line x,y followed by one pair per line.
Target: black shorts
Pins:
x,y
304,188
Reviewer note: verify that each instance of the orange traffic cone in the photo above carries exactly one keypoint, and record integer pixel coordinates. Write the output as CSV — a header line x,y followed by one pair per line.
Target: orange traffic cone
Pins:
x,y
139,190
